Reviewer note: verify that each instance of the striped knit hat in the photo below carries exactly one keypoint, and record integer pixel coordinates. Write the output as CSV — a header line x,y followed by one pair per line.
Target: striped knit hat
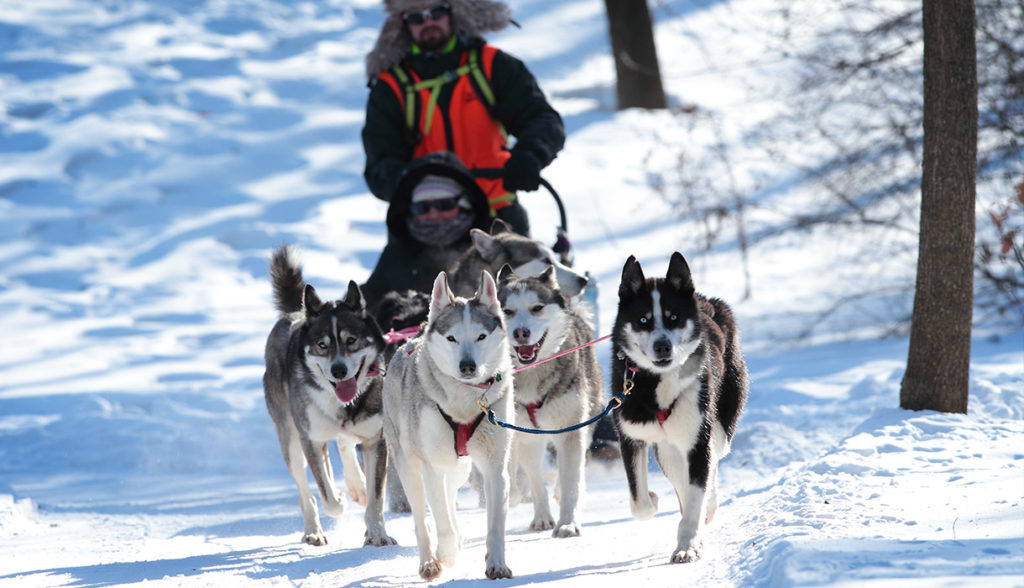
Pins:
x,y
433,187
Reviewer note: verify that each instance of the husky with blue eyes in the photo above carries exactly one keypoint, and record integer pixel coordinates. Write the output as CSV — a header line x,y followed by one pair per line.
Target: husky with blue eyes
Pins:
x,y
677,355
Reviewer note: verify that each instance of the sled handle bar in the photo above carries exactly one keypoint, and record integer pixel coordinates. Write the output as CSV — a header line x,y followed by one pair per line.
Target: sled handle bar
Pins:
x,y
495,173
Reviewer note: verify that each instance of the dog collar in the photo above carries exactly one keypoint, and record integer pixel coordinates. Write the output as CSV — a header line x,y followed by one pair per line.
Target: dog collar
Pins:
x,y
489,382
627,377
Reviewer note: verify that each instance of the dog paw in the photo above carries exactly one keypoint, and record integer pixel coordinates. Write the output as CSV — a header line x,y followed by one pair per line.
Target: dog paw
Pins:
x,y
644,509
542,524
318,539
357,495
335,507
379,540
567,530
496,569
686,555
430,569
446,552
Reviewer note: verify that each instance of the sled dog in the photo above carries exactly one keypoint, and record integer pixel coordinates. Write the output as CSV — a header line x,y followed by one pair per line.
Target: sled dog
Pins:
x,y
502,245
552,395
681,353
397,312
434,426
321,383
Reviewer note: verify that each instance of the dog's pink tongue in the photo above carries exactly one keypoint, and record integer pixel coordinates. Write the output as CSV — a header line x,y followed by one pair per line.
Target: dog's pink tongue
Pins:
x,y
346,390
527,352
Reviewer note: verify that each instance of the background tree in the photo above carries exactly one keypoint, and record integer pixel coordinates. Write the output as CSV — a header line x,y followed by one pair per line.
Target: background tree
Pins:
x,y
938,362
849,135
636,58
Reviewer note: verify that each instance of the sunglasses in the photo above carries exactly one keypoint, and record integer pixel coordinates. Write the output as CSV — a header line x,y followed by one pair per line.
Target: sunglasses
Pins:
x,y
435,12
441,204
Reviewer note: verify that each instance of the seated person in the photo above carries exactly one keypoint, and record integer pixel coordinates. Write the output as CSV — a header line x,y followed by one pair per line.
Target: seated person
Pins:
x,y
435,205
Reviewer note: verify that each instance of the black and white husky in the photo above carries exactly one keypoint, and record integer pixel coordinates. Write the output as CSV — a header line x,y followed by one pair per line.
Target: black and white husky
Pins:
x,y
322,383
550,395
434,392
680,352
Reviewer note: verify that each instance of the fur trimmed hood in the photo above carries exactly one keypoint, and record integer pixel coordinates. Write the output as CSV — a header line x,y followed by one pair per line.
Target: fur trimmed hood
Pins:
x,y
470,19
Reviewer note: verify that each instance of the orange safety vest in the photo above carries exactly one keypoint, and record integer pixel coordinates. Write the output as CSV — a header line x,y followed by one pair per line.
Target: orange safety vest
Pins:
x,y
466,126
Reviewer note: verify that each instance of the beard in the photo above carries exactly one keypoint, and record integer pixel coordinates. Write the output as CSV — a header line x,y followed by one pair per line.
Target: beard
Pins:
x,y
432,38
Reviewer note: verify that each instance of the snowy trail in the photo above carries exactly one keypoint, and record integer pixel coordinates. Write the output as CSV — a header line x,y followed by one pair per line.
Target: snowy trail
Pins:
x,y
878,498
154,152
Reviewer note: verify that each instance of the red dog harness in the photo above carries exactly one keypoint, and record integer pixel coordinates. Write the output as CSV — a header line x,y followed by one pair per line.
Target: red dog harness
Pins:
x,y
663,414
463,431
532,409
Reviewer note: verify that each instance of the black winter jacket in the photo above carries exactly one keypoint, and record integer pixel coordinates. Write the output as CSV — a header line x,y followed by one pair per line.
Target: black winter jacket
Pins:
x,y
520,107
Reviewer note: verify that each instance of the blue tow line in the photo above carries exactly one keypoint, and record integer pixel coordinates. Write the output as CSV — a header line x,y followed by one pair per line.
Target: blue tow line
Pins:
x,y
615,402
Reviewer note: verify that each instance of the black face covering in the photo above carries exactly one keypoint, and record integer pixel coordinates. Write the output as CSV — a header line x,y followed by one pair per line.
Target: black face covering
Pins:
x,y
440,233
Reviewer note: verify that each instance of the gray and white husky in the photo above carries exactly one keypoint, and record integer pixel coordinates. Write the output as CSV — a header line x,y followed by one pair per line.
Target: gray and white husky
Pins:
x,y
551,395
680,352
433,394
491,250
322,383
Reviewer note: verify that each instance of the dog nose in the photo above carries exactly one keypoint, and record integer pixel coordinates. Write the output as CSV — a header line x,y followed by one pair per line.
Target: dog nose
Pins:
x,y
339,371
467,368
662,348
521,335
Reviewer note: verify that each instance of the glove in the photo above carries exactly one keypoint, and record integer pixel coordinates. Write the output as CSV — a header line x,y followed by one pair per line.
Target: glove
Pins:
x,y
521,172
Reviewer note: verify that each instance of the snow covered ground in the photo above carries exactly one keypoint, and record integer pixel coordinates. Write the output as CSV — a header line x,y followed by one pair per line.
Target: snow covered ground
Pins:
x,y
154,152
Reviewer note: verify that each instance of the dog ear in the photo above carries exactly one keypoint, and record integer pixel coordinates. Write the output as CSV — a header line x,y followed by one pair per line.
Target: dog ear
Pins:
x,y
499,226
569,282
441,296
485,245
547,277
633,280
678,275
487,293
506,274
354,298
310,301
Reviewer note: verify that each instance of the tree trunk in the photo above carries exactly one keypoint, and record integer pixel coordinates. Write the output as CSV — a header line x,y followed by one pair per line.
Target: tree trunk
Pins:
x,y
938,361
636,59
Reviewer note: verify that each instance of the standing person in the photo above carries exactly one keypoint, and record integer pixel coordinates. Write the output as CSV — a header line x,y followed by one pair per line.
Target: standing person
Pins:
x,y
435,204
436,85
